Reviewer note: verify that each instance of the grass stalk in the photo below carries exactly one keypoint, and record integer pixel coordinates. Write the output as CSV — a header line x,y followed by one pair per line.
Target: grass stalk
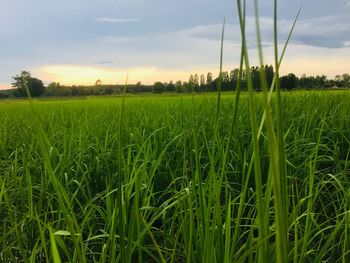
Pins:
x,y
262,234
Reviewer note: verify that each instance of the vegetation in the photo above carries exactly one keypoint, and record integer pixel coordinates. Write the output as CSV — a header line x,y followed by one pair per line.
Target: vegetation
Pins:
x,y
188,184
229,82
35,86
243,177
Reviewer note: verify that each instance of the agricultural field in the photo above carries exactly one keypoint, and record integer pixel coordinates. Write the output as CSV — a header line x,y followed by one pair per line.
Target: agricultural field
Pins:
x,y
190,178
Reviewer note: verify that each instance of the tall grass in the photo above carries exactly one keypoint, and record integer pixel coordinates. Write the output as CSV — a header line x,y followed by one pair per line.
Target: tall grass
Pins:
x,y
240,177
176,205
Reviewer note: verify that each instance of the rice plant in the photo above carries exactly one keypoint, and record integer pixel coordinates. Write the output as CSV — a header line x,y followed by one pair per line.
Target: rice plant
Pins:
x,y
226,177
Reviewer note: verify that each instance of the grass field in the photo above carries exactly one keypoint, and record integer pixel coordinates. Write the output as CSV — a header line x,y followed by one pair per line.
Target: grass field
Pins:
x,y
172,179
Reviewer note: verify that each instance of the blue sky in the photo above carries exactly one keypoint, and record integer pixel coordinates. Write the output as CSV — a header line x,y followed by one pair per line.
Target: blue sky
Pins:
x,y
79,41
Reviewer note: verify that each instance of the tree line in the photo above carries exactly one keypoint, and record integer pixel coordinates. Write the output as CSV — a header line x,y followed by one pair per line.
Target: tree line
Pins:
x,y
24,82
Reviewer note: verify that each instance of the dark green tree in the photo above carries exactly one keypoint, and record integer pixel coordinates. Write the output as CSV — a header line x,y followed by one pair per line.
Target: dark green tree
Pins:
x,y
158,87
254,71
289,81
138,87
346,80
178,86
20,82
320,81
35,86
170,87
269,74
209,78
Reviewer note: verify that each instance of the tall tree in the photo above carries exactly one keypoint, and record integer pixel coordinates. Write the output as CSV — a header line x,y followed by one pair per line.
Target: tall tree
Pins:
x,y
234,75
202,80
20,81
196,80
178,86
346,80
191,80
254,71
269,74
209,78
35,86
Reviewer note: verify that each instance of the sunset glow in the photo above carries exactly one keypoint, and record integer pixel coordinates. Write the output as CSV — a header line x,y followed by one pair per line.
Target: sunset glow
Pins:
x,y
83,75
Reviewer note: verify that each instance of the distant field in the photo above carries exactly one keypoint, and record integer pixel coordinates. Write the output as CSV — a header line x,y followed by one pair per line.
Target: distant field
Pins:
x,y
186,173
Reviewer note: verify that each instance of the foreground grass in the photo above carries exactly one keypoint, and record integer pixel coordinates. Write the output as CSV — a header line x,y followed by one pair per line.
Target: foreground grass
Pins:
x,y
74,180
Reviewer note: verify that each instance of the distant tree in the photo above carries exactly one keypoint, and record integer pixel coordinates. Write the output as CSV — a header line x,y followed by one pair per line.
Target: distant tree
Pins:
x,y
170,87
214,84
320,81
186,87
225,76
196,79
6,93
202,80
209,78
244,75
225,81
98,82
254,71
341,81
178,86
304,82
53,89
345,78
234,75
20,82
35,86
191,80
196,82
158,87
311,82
138,86
289,81
269,74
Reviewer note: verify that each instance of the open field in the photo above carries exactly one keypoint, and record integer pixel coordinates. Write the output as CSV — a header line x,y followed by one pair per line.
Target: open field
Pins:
x,y
172,179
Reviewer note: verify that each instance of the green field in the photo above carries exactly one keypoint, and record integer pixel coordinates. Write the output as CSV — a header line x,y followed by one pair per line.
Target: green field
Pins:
x,y
172,179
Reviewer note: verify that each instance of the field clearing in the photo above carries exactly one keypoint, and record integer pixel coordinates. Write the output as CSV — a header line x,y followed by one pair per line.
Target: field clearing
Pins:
x,y
186,173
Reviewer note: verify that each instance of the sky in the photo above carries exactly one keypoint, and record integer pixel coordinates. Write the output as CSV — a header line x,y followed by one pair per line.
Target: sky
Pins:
x,y
80,41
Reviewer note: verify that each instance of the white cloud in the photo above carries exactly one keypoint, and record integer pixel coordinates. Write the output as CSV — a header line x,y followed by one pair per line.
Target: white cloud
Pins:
x,y
116,20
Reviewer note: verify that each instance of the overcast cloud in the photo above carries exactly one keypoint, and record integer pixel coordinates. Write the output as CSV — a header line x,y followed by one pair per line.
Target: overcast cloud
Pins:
x,y
168,38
